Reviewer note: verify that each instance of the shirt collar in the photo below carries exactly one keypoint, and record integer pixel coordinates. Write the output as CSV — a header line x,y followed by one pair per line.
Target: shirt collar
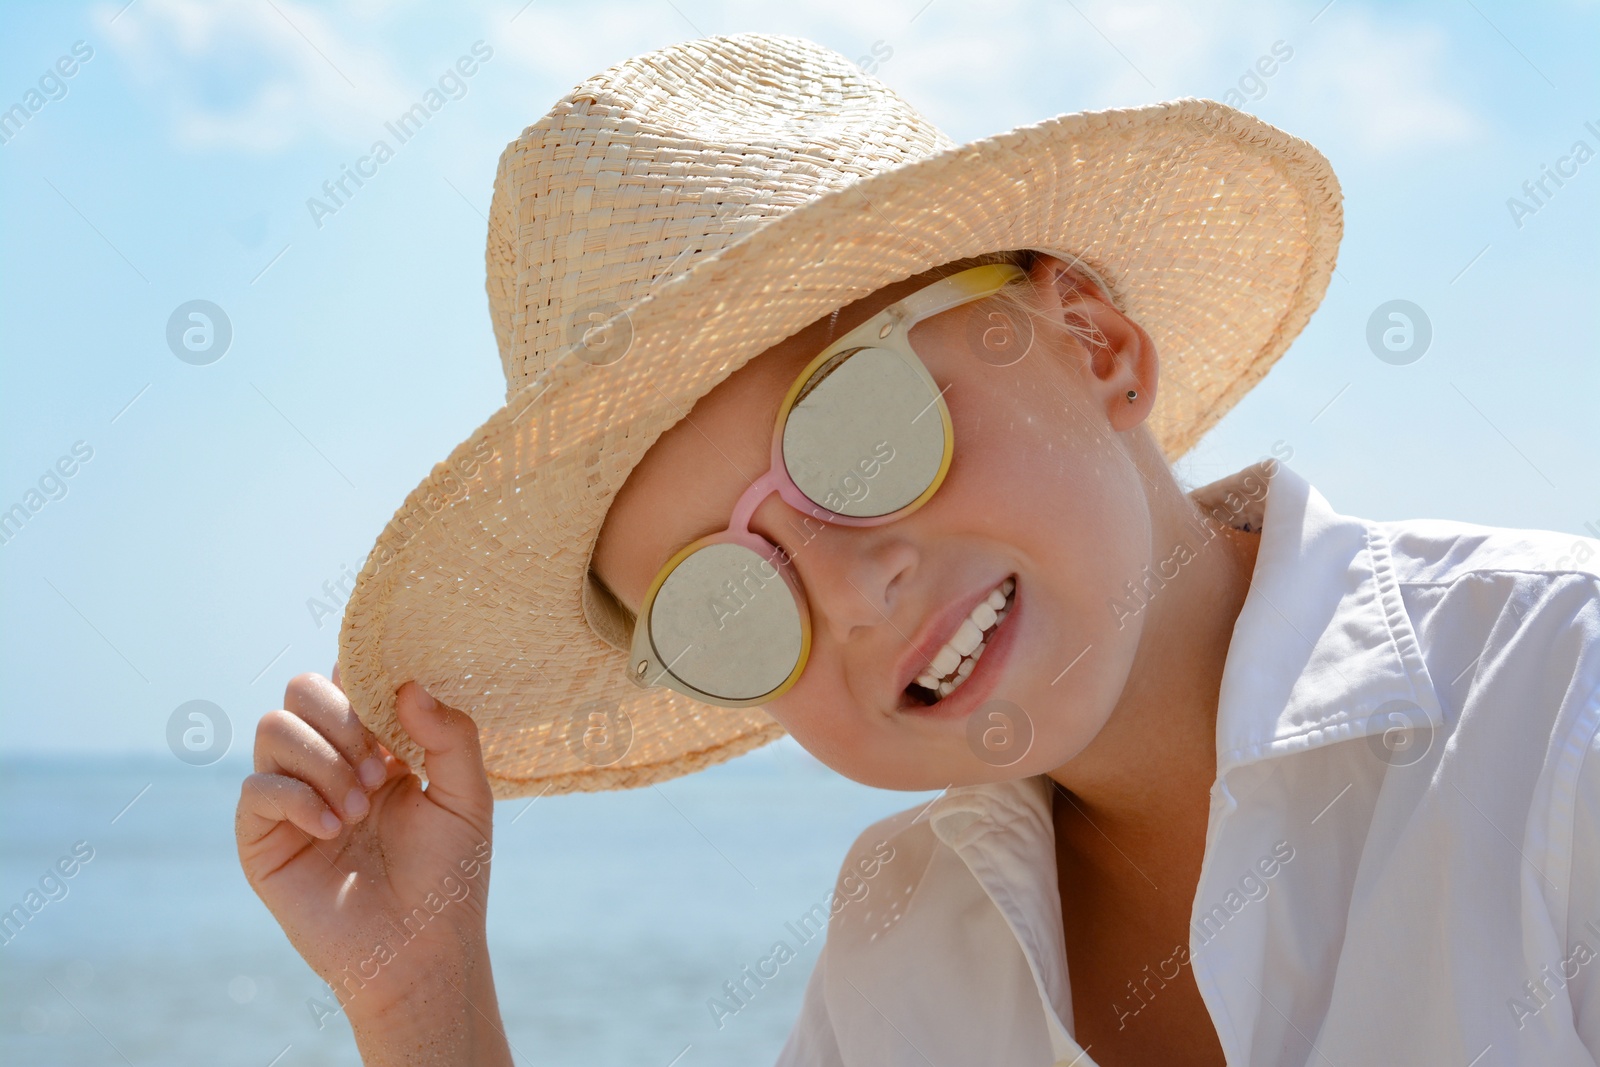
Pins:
x,y
1323,649
1005,832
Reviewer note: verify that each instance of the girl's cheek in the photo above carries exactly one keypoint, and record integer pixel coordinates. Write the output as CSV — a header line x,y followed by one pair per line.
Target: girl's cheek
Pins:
x,y
789,709
813,711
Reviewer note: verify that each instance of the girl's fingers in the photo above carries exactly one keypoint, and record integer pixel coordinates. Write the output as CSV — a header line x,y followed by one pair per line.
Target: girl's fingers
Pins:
x,y
265,800
322,704
452,754
393,766
287,744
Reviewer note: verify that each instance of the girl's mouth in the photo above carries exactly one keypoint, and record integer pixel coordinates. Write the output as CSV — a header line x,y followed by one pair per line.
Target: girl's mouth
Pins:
x,y
953,664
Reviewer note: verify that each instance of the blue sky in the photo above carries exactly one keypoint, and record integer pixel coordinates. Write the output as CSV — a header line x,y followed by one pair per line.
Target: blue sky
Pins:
x,y
175,164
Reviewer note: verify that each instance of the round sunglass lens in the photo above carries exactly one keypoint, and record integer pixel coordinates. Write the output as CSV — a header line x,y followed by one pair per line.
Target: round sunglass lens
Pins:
x,y
726,623
866,436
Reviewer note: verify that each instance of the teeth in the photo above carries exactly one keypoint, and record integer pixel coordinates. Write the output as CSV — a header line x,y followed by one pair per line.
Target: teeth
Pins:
x,y
945,661
955,661
967,638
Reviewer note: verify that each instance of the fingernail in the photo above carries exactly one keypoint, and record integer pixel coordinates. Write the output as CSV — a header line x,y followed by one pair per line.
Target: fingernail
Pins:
x,y
330,822
355,805
370,772
426,700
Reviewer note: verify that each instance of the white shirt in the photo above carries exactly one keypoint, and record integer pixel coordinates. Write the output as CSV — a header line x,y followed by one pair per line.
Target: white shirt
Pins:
x,y
1402,862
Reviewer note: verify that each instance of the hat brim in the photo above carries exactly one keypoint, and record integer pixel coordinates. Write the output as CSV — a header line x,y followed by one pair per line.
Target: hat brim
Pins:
x,y
1214,230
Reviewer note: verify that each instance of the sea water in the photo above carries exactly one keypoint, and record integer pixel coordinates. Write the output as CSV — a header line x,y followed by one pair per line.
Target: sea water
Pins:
x,y
615,919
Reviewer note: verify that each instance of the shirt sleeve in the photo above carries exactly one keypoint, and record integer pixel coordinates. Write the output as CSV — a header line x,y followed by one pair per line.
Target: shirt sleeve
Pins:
x,y
1583,915
812,1042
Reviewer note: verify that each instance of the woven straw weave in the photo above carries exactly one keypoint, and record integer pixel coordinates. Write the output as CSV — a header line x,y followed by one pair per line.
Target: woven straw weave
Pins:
x,y
711,199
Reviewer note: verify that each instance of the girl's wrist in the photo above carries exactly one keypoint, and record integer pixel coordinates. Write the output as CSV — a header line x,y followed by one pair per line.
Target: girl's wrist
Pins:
x,y
450,1015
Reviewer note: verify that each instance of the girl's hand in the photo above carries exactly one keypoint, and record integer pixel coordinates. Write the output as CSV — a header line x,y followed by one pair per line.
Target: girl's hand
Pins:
x,y
380,884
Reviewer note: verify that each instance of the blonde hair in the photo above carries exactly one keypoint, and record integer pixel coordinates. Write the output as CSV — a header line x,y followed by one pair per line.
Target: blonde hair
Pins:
x,y
1016,298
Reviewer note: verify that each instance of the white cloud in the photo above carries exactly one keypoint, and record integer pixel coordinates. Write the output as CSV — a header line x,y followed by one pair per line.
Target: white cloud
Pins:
x,y
1368,79
1383,84
256,75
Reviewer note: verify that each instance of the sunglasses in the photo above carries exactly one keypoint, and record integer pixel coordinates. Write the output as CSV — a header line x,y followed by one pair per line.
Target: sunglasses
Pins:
x,y
863,438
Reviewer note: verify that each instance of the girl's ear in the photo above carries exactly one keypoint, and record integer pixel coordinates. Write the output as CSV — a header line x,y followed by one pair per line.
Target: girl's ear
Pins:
x,y
1116,354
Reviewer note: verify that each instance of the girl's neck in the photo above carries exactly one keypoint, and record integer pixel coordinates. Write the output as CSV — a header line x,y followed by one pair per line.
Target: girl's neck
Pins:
x,y
1141,778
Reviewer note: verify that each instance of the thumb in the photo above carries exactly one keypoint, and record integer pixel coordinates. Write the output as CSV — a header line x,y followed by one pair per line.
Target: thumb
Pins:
x,y
452,755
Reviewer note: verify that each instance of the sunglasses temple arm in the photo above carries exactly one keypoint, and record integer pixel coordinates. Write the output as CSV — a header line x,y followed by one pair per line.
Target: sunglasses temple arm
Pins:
x,y
958,289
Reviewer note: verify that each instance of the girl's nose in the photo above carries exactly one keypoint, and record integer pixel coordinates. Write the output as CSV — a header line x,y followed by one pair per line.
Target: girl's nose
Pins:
x,y
852,575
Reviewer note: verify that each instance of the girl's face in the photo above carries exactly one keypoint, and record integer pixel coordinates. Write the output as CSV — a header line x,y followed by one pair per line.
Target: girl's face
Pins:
x,y
1045,488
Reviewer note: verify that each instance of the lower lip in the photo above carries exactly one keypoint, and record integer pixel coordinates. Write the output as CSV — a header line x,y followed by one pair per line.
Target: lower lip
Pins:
x,y
985,675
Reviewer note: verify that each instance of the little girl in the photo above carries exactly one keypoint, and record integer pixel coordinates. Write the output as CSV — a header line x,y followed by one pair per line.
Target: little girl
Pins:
x,y
820,424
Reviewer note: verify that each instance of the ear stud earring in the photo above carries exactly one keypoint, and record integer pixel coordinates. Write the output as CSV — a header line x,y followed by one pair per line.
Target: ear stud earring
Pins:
x,y
1131,395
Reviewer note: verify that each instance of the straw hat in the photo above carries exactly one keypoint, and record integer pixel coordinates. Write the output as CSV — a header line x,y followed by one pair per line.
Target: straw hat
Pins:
x,y
683,211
